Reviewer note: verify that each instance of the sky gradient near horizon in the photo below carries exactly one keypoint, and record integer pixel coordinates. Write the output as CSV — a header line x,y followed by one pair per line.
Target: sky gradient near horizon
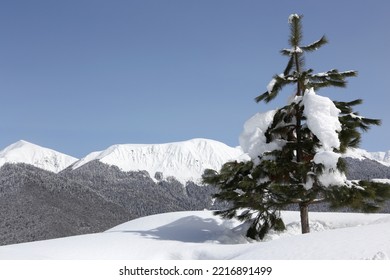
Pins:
x,y
80,75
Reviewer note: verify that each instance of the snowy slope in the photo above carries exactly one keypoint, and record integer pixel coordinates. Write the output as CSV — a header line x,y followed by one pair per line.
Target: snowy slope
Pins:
x,y
200,235
25,152
381,157
185,160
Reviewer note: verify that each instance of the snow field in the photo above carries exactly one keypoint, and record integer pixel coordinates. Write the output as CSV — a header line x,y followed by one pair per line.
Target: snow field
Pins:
x,y
198,235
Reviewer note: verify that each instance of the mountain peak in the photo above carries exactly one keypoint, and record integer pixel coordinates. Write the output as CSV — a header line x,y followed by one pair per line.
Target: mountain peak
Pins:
x,y
185,160
18,145
25,152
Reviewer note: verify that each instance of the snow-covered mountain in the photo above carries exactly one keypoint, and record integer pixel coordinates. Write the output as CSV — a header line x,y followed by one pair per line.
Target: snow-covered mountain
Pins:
x,y
184,160
25,152
381,157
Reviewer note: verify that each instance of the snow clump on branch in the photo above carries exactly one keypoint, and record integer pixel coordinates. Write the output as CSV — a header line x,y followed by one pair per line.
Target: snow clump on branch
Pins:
x,y
253,140
322,118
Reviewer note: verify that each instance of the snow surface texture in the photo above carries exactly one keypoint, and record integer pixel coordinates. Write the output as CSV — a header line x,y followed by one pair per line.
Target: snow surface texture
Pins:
x,y
200,235
186,161
25,152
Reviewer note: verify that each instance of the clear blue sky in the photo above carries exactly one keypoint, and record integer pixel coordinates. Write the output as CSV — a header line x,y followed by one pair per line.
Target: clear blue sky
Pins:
x,y
81,75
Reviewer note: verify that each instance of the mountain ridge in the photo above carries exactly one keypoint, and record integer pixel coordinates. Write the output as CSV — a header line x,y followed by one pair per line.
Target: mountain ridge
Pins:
x,y
184,160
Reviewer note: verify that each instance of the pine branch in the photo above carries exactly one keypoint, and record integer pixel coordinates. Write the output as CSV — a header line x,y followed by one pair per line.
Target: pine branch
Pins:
x,y
316,45
355,102
317,85
346,107
337,83
333,75
365,123
286,52
262,97
365,196
289,66
279,82
327,83
350,73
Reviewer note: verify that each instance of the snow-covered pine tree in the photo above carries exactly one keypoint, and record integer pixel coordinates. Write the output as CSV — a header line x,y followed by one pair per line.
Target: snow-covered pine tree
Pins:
x,y
296,150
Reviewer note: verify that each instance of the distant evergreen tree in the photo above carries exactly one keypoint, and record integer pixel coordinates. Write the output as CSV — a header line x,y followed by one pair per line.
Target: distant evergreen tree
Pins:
x,y
296,157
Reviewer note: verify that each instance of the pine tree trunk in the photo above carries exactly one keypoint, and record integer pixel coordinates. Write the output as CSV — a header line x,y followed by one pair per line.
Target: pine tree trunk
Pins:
x,y
304,209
